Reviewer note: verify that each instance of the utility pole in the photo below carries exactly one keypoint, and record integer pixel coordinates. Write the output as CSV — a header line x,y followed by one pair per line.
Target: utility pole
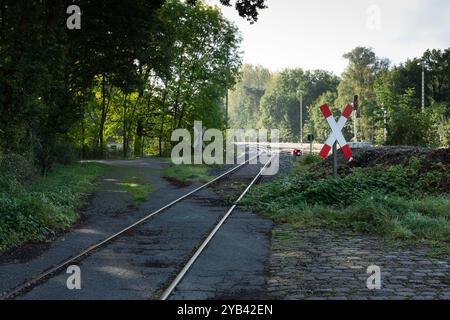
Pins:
x,y
226,97
300,95
423,87
301,117
385,122
228,81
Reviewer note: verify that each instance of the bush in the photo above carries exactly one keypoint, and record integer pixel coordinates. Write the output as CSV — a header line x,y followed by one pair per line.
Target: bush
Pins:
x,y
17,167
188,173
310,158
65,153
32,212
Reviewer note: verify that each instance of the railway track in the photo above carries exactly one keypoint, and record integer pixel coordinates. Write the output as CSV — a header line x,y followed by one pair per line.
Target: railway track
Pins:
x,y
56,269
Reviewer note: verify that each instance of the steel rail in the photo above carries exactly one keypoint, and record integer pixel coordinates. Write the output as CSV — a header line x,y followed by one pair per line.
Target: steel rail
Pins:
x,y
199,251
10,294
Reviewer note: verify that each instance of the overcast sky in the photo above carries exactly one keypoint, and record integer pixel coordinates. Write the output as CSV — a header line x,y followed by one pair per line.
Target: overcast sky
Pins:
x,y
314,34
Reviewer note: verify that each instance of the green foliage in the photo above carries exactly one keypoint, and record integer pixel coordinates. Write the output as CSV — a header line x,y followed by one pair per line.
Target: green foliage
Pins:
x,y
408,127
136,71
248,9
138,187
187,84
391,94
32,212
408,202
17,167
321,127
280,106
245,98
399,90
310,158
188,173
358,79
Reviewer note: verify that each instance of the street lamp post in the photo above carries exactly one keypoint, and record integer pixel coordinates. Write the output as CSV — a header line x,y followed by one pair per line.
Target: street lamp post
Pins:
x,y
423,85
226,97
384,122
301,116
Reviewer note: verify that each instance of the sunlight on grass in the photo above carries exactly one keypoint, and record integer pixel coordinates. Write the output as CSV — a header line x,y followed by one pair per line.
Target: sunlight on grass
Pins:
x,y
137,188
188,173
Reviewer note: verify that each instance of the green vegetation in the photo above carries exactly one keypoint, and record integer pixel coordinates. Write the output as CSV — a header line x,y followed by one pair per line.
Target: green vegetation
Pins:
x,y
34,211
188,173
409,202
262,99
309,158
139,191
136,186
135,72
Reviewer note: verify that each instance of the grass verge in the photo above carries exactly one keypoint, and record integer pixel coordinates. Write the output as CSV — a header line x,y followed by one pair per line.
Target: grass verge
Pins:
x,y
32,212
136,186
188,173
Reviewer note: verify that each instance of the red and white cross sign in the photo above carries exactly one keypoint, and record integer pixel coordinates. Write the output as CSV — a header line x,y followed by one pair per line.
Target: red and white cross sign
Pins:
x,y
336,131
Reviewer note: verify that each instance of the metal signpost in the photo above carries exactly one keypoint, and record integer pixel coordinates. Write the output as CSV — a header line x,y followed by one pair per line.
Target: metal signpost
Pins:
x,y
310,140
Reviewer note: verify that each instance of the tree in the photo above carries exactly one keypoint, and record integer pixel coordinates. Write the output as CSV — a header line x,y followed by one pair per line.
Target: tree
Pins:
x,y
37,101
401,87
437,75
47,71
409,128
317,124
281,104
246,8
358,79
116,39
245,98
150,102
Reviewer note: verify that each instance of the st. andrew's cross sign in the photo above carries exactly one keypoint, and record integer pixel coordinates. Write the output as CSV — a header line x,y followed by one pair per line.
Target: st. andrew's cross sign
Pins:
x,y
336,131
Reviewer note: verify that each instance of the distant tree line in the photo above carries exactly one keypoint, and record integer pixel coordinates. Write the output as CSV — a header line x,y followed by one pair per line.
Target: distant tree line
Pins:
x,y
133,72
390,99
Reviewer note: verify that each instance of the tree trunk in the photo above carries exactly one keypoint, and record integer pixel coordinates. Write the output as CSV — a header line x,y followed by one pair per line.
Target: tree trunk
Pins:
x,y
161,127
124,133
83,135
102,120
138,146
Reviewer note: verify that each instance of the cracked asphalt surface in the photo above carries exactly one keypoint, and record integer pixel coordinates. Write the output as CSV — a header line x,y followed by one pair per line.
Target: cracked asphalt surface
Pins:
x,y
140,264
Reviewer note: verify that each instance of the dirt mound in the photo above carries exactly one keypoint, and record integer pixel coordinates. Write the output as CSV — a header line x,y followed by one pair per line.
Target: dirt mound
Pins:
x,y
387,156
398,155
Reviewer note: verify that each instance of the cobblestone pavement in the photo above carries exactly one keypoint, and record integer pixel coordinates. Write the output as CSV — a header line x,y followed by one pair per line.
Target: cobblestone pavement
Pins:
x,y
324,264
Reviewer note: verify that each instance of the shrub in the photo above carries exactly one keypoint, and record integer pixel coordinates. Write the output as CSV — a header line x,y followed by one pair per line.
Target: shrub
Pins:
x,y
18,167
32,212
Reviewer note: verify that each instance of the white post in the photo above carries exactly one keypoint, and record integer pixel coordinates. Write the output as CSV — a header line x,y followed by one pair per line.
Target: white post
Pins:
x,y
301,118
423,87
384,122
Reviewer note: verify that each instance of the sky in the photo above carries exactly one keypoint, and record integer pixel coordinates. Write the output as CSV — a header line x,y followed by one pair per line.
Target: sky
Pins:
x,y
314,34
